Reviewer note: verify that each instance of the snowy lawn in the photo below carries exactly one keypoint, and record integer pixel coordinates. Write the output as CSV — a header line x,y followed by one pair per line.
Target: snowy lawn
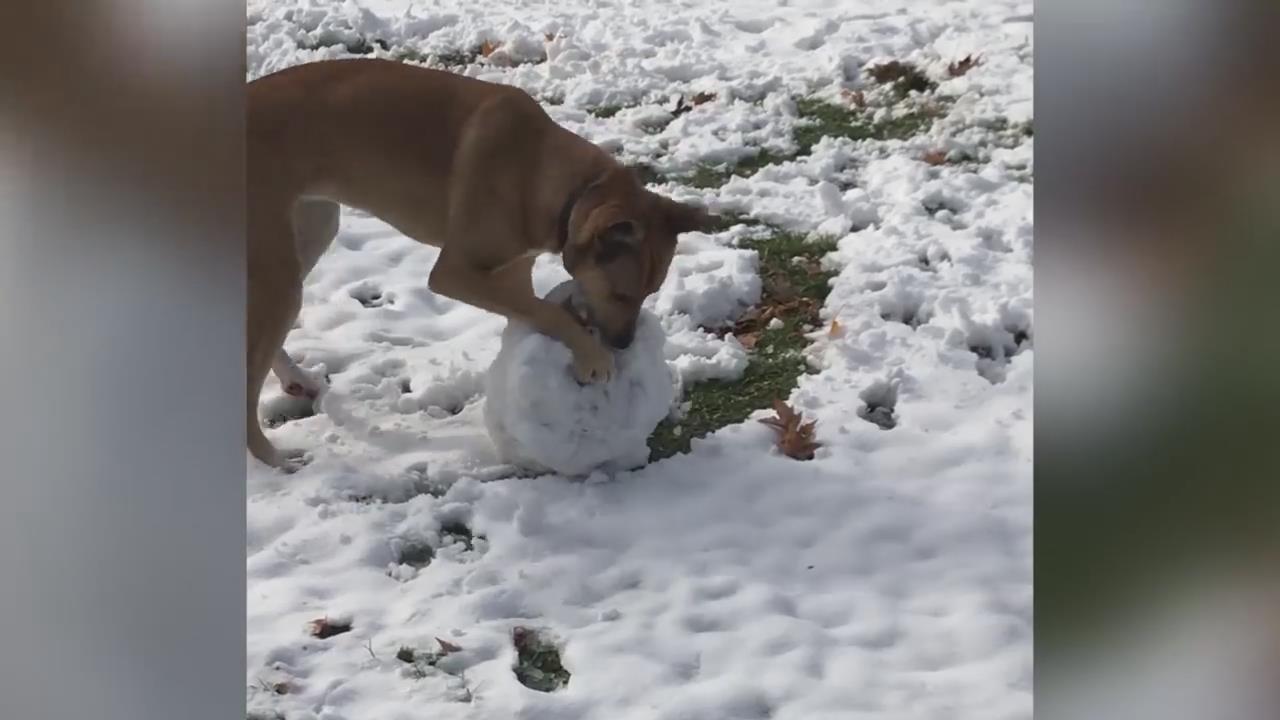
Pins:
x,y
875,271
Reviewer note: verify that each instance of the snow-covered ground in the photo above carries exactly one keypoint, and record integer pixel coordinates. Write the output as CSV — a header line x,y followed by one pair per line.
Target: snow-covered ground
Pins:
x,y
888,578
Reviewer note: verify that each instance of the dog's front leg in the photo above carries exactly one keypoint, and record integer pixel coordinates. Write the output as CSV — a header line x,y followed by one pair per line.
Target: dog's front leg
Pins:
x,y
507,291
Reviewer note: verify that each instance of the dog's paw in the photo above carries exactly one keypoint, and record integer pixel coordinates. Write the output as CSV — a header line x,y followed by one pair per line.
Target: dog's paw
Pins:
x,y
303,384
593,365
291,461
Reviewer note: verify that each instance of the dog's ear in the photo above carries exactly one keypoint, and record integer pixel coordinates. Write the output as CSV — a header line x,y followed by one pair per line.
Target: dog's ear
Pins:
x,y
617,238
682,218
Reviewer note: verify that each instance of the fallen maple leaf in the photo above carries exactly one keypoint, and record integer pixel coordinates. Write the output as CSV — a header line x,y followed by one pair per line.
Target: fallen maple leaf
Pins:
x,y
795,439
521,636
963,65
447,647
780,288
856,98
326,628
488,46
935,157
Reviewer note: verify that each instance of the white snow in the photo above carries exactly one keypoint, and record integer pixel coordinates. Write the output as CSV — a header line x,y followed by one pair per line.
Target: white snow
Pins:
x,y
890,577
542,419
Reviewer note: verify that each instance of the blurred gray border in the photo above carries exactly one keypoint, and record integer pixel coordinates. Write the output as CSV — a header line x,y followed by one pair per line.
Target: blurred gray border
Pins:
x,y
1157,208
122,593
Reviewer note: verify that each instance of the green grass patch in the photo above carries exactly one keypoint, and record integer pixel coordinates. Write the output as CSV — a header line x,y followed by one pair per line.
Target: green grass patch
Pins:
x,y
356,46
606,111
368,46
713,176
456,58
821,119
726,219
1002,126
790,266
794,288
538,665
648,174
827,119
772,372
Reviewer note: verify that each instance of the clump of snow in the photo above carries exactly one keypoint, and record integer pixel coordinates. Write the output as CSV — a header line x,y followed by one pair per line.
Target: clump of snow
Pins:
x,y
542,419
707,282
450,391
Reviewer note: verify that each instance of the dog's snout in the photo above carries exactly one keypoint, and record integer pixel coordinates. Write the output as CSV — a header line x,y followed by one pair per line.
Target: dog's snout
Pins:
x,y
623,340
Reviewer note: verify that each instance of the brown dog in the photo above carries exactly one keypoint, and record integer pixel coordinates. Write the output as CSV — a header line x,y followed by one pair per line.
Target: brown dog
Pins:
x,y
474,168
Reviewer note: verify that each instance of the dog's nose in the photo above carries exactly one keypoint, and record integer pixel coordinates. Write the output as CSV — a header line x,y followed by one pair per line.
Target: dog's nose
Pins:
x,y
623,340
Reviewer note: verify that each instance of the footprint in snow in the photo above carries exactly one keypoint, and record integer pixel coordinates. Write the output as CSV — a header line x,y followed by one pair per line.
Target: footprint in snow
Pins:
x,y
996,348
369,295
286,408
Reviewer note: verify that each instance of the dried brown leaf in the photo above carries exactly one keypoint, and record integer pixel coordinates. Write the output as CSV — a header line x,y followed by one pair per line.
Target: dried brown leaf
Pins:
x,y
780,287
856,98
889,72
488,46
326,628
702,98
521,636
750,317
795,439
963,65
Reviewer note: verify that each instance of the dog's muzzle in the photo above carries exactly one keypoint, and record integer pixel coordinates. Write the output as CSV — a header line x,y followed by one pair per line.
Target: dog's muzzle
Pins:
x,y
623,340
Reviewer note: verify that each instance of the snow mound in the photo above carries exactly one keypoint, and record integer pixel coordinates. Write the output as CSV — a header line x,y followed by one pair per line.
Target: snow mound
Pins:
x,y
542,420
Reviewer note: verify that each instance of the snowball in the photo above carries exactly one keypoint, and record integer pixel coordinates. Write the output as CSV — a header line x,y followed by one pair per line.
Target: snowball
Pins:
x,y
542,420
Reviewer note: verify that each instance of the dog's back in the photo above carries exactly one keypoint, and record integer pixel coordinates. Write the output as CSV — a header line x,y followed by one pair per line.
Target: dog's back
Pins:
x,y
358,131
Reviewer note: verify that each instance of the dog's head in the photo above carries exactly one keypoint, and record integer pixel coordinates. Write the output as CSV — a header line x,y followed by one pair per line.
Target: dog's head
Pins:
x,y
621,238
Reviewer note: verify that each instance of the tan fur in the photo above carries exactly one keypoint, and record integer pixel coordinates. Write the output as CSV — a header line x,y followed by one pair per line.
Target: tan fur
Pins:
x,y
474,168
